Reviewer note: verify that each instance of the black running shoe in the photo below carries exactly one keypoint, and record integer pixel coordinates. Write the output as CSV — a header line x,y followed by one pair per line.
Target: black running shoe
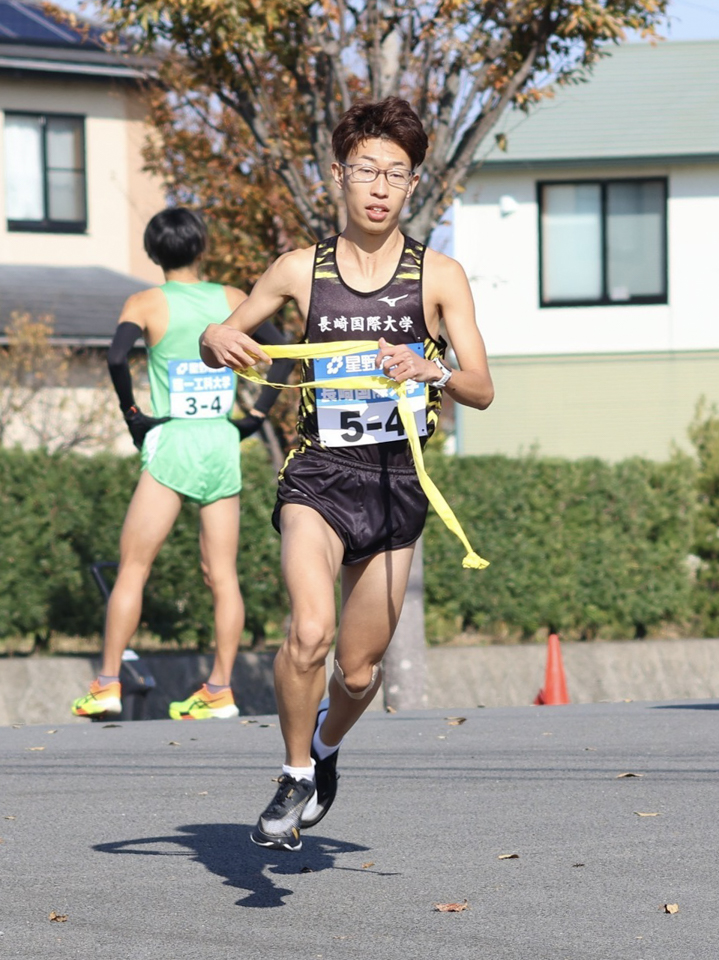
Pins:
x,y
326,778
279,825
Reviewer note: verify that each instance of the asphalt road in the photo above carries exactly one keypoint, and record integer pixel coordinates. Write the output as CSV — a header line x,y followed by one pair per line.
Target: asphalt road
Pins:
x,y
138,835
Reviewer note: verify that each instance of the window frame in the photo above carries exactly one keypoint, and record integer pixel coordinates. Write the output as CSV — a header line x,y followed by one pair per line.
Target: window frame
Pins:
x,y
48,225
605,301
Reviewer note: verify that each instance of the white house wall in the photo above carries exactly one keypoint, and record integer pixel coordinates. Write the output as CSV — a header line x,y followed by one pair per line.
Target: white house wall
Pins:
x,y
501,257
117,208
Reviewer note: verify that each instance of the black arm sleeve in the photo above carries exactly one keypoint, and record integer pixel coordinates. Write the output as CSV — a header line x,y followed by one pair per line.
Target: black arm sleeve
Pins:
x,y
122,343
279,372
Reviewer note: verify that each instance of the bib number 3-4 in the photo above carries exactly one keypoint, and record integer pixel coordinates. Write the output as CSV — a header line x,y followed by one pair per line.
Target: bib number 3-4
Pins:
x,y
199,392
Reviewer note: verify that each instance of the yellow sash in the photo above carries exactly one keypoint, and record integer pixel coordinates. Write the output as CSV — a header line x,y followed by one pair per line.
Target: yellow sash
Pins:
x,y
307,351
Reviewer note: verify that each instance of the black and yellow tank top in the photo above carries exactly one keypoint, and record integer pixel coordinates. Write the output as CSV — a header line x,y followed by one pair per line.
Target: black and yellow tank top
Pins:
x,y
363,425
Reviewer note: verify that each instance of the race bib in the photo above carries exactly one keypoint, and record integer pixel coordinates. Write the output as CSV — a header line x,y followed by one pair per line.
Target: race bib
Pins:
x,y
353,418
199,392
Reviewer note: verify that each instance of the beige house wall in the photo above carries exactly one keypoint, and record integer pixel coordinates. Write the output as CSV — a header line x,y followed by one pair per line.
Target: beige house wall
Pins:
x,y
120,196
608,406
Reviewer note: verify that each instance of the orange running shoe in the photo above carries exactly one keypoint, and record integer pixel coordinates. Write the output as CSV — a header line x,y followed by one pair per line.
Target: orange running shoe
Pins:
x,y
99,700
204,705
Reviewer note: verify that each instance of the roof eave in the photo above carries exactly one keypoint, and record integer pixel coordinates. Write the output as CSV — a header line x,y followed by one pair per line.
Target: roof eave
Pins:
x,y
636,160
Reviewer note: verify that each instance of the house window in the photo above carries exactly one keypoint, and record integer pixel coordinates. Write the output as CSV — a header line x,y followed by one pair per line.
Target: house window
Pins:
x,y
45,173
603,242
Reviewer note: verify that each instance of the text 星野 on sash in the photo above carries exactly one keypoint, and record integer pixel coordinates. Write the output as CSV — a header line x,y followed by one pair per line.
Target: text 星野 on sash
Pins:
x,y
356,417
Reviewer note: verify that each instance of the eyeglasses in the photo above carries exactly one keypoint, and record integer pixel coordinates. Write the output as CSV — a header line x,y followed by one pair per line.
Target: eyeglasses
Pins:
x,y
367,173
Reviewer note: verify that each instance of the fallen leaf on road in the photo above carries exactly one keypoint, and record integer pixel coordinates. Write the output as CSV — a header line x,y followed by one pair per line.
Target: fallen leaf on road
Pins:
x,y
366,866
17,726
202,793
592,749
267,724
508,856
306,870
245,722
451,907
51,731
58,917
671,908
640,814
112,726
34,748
9,818
390,710
577,864
441,737
455,721
173,743
547,734
623,776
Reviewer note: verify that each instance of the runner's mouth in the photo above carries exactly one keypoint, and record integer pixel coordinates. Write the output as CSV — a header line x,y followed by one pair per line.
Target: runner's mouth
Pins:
x,y
377,211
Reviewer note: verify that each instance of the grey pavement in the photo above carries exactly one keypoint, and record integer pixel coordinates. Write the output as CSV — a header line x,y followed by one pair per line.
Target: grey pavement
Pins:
x,y
138,833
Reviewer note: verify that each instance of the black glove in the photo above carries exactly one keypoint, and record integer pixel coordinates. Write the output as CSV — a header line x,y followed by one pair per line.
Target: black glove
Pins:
x,y
139,424
249,425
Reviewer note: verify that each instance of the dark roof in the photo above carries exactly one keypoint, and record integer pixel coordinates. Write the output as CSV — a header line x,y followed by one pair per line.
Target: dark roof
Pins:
x,y
32,41
22,22
85,302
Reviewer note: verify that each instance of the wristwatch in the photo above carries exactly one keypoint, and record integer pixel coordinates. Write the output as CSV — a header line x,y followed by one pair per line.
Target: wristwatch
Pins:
x,y
445,371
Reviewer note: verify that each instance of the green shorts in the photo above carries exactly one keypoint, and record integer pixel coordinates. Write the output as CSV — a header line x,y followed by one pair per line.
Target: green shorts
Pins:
x,y
199,459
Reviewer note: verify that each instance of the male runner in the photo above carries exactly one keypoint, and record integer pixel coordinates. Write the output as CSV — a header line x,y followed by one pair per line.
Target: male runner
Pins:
x,y
349,498
190,448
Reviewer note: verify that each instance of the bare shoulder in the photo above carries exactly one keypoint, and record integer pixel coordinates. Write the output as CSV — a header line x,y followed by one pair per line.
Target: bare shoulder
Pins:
x,y
141,306
295,265
235,296
441,269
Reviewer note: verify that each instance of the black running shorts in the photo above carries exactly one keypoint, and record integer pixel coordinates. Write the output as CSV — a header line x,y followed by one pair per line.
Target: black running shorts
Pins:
x,y
371,508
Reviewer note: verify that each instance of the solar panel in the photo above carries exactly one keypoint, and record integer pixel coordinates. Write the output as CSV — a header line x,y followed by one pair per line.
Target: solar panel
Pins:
x,y
28,23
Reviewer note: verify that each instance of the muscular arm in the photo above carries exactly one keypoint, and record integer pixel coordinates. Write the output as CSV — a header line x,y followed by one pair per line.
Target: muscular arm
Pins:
x,y
230,344
447,292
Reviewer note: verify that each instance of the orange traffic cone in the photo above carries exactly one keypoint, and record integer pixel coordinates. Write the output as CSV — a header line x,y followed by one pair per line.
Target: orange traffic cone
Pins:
x,y
554,690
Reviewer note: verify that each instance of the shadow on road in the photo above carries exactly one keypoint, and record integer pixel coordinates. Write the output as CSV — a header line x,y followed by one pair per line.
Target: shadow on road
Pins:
x,y
226,850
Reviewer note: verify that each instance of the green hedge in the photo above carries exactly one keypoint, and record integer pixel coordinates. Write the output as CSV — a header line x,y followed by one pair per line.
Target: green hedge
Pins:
x,y
60,514
584,547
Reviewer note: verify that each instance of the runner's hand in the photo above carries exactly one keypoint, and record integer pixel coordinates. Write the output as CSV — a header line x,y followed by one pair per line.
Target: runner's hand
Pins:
x,y
400,363
139,425
248,425
222,346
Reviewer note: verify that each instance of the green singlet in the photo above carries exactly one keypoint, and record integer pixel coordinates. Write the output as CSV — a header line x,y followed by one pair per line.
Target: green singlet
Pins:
x,y
197,453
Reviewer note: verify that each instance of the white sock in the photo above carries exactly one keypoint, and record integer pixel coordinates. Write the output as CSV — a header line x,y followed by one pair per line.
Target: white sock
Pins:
x,y
318,744
300,773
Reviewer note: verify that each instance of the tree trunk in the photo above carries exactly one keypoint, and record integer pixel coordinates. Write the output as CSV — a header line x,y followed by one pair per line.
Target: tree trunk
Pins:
x,y
405,663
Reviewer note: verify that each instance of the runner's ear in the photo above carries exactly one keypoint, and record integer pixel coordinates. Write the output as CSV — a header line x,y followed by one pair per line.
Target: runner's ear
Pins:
x,y
338,174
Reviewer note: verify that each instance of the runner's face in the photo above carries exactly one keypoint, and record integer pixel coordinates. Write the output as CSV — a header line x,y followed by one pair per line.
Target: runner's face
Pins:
x,y
375,207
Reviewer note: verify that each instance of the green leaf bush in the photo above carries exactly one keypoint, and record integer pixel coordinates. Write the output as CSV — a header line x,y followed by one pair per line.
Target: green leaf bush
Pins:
x,y
583,547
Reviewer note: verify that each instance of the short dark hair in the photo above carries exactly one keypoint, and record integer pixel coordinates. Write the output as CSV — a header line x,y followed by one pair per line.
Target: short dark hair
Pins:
x,y
388,119
175,238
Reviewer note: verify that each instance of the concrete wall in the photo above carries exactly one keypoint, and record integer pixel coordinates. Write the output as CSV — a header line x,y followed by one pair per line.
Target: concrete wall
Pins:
x,y
39,690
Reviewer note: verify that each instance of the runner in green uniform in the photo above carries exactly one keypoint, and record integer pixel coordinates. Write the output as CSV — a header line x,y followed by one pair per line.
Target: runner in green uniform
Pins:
x,y
190,448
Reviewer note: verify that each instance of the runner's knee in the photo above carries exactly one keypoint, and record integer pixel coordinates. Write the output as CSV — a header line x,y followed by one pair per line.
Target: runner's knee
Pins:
x,y
359,682
309,641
